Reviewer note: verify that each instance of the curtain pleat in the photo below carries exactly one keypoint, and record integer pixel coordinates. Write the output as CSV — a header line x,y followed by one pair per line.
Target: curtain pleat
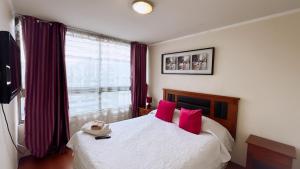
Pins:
x,y
138,77
46,103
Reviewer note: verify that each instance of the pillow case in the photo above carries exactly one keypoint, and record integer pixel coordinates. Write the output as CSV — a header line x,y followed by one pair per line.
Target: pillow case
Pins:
x,y
219,131
165,110
190,120
176,116
212,127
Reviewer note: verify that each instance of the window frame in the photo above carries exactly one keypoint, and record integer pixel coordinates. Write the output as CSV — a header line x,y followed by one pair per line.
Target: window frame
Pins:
x,y
70,90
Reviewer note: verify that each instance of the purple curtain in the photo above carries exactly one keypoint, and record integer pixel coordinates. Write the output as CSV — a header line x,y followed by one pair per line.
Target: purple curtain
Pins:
x,y
138,77
46,102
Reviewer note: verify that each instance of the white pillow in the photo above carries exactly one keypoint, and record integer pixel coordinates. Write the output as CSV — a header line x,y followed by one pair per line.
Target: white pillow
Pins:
x,y
212,127
176,116
215,128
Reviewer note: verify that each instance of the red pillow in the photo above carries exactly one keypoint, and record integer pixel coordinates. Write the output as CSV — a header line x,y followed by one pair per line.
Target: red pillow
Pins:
x,y
190,120
165,110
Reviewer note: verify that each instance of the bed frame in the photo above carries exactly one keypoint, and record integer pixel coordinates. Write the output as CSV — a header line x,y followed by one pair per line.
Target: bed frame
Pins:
x,y
222,109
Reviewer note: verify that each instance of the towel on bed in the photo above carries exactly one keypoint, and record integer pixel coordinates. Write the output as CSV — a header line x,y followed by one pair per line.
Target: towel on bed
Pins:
x,y
104,131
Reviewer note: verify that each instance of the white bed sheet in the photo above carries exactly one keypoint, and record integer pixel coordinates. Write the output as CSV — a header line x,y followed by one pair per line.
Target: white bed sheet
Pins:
x,y
148,143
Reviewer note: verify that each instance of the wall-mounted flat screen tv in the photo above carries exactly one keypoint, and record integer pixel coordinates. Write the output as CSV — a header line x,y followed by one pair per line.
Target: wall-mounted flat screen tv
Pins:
x,y
10,67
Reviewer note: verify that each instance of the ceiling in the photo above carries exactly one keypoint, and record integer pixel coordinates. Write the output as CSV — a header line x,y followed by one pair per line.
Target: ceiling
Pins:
x,y
170,18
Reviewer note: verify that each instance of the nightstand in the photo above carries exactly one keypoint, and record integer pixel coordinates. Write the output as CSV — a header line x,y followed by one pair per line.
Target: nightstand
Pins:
x,y
267,154
144,111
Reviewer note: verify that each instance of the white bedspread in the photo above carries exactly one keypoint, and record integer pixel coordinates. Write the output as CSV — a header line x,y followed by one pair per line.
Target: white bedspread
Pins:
x,y
148,143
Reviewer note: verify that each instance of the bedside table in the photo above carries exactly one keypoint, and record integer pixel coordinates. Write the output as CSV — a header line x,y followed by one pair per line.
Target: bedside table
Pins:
x,y
144,111
267,154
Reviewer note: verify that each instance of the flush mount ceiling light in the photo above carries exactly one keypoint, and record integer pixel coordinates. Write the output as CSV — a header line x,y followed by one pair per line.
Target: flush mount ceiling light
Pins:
x,y
142,7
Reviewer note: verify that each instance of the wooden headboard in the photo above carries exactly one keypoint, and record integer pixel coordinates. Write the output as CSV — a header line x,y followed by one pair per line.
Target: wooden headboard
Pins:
x,y
222,109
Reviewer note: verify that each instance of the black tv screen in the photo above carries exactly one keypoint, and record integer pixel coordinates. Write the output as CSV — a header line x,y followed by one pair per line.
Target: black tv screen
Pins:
x,y
10,67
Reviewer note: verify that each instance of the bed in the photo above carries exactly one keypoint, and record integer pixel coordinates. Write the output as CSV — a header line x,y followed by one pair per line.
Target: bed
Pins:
x,y
150,143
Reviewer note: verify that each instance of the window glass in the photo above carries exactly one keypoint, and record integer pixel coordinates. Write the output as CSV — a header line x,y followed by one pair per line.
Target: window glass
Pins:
x,y
98,74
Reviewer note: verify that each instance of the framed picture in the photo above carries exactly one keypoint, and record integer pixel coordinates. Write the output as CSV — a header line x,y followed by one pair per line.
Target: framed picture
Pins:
x,y
192,62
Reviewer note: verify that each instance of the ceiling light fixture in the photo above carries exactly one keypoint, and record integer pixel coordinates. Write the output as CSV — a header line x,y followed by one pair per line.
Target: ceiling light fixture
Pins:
x,y
142,7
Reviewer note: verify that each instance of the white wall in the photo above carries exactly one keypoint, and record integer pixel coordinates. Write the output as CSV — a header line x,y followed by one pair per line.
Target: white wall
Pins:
x,y
8,155
258,62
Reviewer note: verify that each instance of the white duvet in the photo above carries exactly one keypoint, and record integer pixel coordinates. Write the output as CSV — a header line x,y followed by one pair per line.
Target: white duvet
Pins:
x,y
150,143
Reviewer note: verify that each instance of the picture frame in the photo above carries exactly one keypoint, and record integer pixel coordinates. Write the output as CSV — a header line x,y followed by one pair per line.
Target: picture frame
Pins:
x,y
191,62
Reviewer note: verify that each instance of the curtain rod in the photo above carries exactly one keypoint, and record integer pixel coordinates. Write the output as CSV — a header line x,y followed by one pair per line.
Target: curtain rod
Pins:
x,y
81,30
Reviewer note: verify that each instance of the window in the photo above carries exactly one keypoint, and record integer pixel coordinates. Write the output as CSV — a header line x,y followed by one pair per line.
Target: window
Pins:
x,y
98,75
21,98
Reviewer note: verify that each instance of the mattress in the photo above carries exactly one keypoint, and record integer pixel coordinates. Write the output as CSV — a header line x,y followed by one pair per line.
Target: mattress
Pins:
x,y
149,143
